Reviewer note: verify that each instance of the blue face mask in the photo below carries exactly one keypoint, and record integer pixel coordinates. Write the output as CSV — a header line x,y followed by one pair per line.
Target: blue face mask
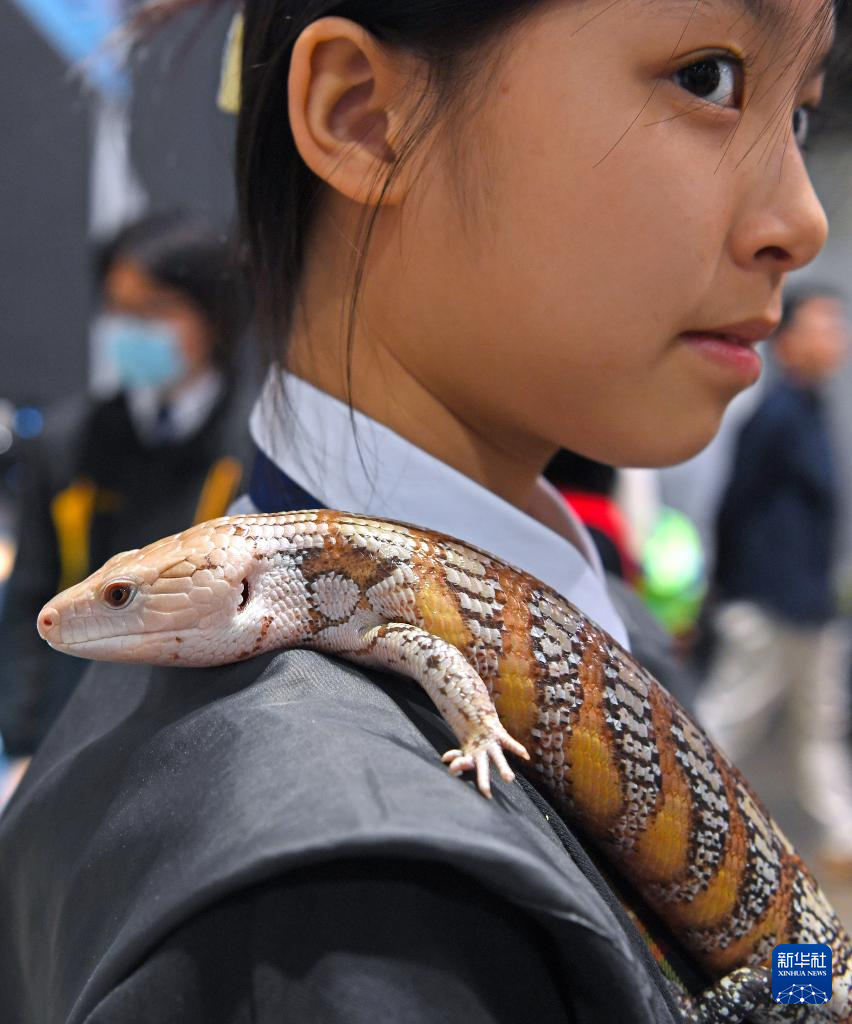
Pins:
x,y
145,353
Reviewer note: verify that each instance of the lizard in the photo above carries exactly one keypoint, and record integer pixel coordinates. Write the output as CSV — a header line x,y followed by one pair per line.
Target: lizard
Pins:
x,y
513,667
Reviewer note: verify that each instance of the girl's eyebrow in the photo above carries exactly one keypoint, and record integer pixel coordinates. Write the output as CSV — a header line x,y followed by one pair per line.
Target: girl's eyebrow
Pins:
x,y
774,15
770,12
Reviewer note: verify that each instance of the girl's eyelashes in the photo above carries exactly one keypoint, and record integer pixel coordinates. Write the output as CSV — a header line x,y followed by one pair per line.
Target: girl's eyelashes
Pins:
x,y
715,79
720,80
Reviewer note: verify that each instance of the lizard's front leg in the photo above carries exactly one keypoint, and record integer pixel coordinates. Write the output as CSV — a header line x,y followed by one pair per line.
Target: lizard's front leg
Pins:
x,y
455,687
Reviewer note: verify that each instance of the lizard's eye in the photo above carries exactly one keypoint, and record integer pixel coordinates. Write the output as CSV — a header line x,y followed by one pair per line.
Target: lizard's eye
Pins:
x,y
118,593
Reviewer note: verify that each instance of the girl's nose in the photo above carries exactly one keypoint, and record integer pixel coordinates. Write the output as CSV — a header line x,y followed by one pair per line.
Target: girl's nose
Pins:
x,y
789,228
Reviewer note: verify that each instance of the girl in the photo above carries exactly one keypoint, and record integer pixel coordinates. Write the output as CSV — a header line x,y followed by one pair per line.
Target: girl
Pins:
x,y
479,231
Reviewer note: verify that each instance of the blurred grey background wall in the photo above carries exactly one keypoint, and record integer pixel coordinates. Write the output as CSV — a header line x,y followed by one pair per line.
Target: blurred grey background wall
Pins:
x,y
44,168
52,126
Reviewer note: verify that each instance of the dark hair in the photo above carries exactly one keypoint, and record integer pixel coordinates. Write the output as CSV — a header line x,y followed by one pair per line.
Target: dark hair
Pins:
x,y
797,296
180,251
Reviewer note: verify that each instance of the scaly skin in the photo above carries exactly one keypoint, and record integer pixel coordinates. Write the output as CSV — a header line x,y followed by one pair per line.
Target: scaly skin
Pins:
x,y
511,665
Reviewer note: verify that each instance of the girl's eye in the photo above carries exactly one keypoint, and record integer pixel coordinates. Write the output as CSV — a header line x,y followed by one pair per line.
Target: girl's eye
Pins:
x,y
717,80
801,126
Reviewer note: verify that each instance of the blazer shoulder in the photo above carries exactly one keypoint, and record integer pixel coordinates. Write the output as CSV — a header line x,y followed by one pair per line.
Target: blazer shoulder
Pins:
x,y
179,788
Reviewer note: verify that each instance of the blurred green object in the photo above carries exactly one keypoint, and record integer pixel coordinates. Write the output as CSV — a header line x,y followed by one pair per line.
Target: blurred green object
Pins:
x,y
674,573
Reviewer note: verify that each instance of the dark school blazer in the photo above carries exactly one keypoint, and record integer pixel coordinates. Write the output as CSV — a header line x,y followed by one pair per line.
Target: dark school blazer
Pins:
x,y
277,841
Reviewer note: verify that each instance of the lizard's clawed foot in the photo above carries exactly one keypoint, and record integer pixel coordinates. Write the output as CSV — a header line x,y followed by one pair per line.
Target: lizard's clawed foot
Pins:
x,y
479,754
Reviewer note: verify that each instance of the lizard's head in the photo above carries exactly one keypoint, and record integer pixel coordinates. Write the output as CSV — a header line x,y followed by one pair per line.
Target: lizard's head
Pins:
x,y
182,600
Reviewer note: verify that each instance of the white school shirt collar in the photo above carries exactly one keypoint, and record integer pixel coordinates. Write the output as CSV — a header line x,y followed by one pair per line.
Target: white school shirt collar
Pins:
x,y
371,470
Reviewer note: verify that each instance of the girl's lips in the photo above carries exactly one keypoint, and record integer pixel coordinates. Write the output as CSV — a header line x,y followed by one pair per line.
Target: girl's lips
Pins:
x,y
728,351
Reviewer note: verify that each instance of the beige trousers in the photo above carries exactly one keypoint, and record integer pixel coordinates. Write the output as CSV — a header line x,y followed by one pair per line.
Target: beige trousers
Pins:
x,y
764,662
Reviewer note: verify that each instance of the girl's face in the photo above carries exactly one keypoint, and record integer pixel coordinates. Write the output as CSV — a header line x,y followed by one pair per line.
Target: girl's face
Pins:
x,y
628,187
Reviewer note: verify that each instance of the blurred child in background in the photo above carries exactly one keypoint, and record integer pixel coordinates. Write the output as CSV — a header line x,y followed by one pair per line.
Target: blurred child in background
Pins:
x,y
164,450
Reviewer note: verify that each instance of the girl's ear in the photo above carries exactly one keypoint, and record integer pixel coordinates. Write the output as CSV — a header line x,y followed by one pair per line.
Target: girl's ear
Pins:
x,y
344,93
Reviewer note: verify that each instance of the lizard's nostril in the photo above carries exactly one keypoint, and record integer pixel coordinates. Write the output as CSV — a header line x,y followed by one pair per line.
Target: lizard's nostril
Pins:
x,y
47,620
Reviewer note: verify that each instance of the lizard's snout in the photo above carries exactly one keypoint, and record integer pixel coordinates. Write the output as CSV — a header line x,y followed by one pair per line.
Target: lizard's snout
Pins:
x,y
48,623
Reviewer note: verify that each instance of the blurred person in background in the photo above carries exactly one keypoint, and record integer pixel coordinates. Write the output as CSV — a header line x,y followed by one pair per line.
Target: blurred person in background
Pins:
x,y
778,641
165,450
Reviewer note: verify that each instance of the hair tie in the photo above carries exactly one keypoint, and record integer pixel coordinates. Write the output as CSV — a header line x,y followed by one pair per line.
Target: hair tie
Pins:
x,y
228,98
